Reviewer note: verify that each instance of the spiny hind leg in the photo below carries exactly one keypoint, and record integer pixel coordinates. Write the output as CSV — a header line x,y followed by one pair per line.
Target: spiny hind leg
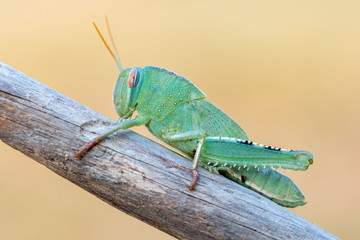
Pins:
x,y
232,152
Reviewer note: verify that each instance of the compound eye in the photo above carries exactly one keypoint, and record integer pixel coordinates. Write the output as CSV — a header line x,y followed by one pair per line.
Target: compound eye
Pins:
x,y
133,78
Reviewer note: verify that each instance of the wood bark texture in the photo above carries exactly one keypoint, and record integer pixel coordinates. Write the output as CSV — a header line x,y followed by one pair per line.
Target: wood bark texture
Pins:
x,y
133,173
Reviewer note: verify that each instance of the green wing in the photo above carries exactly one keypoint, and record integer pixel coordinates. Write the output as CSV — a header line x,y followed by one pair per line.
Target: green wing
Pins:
x,y
268,183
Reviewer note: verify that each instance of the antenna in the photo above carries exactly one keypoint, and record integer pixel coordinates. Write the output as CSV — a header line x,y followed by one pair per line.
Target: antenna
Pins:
x,y
116,55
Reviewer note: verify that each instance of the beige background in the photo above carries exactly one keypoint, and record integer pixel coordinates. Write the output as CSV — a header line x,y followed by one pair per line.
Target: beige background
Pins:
x,y
286,71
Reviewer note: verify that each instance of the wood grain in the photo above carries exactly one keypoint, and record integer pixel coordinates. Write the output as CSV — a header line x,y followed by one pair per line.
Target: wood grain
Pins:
x,y
135,174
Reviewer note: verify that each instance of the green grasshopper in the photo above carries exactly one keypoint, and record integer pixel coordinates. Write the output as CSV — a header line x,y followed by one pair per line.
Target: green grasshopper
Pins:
x,y
177,112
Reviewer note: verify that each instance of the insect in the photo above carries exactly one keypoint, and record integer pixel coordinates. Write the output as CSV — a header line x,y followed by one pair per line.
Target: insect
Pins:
x,y
176,111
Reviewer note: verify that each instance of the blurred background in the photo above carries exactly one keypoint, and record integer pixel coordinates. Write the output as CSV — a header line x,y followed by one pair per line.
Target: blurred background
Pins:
x,y
287,72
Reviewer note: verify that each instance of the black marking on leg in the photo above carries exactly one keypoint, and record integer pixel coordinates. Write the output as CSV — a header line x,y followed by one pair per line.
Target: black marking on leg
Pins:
x,y
272,148
247,142
243,179
250,143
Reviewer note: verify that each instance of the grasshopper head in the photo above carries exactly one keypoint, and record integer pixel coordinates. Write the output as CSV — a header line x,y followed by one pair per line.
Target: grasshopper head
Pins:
x,y
129,82
127,91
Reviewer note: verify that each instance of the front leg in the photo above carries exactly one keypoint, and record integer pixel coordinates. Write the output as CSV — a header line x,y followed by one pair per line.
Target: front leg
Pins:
x,y
137,121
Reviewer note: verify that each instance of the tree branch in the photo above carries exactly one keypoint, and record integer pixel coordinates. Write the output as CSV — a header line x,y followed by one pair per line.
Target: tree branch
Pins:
x,y
135,174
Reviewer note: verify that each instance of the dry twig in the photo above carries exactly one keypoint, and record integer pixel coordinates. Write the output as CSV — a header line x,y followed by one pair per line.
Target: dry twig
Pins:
x,y
135,174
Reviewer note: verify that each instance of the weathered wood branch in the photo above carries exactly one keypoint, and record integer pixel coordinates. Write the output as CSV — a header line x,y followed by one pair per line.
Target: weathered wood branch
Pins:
x,y
135,174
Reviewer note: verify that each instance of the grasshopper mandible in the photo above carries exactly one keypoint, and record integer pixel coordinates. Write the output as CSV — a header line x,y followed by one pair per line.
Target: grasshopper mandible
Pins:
x,y
177,112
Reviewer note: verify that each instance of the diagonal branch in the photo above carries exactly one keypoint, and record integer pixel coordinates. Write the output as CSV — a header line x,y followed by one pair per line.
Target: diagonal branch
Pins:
x,y
135,174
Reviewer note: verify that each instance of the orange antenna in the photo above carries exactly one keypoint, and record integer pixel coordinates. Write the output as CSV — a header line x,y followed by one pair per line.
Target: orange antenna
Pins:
x,y
113,43
116,55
